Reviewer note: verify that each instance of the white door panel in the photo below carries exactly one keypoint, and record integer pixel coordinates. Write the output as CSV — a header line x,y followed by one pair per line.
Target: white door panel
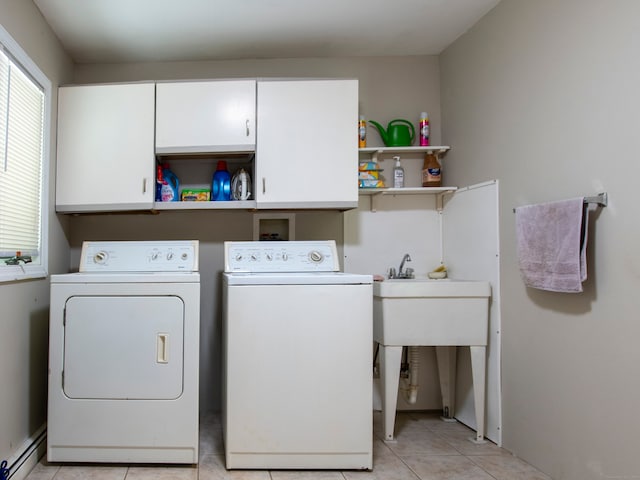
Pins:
x,y
298,371
105,147
206,116
473,212
306,145
123,347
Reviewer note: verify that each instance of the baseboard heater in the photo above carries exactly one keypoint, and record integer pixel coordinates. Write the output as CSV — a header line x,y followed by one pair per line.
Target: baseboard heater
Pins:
x,y
27,456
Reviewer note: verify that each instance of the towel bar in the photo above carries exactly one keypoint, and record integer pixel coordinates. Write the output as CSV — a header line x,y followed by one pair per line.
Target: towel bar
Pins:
x,y
601,200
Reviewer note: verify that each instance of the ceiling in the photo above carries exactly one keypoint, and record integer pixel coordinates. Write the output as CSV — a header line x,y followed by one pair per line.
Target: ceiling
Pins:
x,y
121,31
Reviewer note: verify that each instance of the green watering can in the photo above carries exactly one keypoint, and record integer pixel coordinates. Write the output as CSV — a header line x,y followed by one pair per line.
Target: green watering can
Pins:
x,y
399,133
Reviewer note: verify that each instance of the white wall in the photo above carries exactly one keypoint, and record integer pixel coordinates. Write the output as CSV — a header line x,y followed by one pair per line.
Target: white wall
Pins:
x,y
388,87
25,305
543,95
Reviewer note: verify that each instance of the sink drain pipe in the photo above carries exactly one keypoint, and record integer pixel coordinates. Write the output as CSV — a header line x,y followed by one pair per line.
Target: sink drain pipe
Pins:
x,y
410,385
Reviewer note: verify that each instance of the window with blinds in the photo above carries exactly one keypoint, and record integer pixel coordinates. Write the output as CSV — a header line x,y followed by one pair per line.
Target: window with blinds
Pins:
x,y
22,161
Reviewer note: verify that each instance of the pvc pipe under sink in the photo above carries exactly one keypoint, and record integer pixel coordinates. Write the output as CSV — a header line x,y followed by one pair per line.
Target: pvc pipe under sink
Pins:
x,y
410,386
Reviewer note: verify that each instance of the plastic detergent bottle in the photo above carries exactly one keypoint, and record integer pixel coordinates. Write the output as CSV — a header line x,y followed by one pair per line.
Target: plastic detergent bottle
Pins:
x,y
221,184
431,171
398,174
424,129
170,186
159,182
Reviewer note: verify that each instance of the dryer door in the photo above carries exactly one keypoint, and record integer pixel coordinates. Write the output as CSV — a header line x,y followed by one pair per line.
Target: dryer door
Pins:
x,y
123,347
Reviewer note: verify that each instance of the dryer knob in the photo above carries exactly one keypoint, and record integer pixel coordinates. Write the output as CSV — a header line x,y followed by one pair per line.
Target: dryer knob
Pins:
x,y
100,257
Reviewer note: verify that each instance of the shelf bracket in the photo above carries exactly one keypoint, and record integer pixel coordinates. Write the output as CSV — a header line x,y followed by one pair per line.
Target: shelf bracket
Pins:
x,y
374,202
374,156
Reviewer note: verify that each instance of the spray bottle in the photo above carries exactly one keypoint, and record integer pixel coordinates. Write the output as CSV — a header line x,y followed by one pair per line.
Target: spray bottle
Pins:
x,y
431,171
424,129
362,132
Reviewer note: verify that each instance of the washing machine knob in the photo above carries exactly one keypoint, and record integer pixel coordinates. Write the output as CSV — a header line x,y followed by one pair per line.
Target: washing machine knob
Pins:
x,y
285,257
316,256
170,256
100,257
238,257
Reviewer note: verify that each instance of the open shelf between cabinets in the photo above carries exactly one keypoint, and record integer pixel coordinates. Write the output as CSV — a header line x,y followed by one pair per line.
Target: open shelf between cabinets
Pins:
x,y
211,205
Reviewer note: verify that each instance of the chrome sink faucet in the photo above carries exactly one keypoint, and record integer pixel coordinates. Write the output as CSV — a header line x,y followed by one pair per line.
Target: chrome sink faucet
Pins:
x,y
401,273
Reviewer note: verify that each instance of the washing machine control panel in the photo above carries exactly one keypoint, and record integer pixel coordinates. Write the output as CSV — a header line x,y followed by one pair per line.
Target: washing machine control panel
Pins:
x,y
155,256
293,256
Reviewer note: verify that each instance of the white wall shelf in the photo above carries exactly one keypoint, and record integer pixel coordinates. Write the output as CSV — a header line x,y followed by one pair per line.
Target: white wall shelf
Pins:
x,y
376,193
406,191
375,152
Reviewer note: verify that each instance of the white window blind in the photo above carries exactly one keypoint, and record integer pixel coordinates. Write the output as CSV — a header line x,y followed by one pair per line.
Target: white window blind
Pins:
x,y
23,101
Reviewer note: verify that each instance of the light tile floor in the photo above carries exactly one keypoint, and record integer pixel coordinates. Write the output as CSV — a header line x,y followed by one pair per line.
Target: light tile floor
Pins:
x,y
426,449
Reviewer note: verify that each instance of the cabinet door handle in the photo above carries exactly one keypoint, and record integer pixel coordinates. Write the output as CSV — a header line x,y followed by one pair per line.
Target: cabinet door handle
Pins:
x,y
144,185
247,126
264,185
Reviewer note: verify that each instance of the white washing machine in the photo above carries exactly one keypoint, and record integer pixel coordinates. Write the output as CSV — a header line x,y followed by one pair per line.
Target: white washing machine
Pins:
x,y
124,355
297,377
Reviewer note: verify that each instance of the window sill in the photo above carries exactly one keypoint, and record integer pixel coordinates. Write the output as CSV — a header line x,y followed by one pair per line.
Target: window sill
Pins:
x,y
15,273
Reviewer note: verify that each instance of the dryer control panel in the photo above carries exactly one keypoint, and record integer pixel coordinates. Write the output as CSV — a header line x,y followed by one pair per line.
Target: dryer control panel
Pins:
x,y
153,256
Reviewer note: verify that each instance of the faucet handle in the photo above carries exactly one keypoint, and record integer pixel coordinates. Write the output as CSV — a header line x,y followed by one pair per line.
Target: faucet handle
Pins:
x,y
409,272
392,272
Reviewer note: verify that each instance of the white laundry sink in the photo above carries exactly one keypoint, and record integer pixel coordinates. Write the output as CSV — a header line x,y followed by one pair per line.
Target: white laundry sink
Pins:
x,y
431,312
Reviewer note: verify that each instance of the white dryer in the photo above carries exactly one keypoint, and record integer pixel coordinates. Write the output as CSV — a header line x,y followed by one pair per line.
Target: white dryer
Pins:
x,y
124,355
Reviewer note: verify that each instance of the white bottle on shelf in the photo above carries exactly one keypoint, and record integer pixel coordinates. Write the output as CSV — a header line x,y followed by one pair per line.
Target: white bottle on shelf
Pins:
x,y
398,173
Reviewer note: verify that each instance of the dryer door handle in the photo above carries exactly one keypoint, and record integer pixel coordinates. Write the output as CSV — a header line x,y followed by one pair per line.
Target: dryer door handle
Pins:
x,y
162,348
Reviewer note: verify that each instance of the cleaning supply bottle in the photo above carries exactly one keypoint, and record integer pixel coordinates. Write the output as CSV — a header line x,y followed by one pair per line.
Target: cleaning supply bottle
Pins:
x,y
159,182
424,129
362,132
221,184
431,171
398,174
170,186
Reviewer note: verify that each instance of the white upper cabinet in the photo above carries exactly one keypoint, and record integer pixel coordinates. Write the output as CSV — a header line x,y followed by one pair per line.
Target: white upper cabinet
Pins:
x,y
105,159
307,149
206,116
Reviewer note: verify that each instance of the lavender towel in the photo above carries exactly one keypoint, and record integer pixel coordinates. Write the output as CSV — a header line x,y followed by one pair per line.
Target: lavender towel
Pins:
x,y
552,244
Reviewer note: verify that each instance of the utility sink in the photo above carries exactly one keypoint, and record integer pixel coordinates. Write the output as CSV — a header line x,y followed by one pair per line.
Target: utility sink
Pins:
x,y
443,313
430,312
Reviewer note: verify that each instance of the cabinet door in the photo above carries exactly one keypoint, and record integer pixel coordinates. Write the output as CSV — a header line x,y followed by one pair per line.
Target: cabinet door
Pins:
x,y
105,156
307,150
212,116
